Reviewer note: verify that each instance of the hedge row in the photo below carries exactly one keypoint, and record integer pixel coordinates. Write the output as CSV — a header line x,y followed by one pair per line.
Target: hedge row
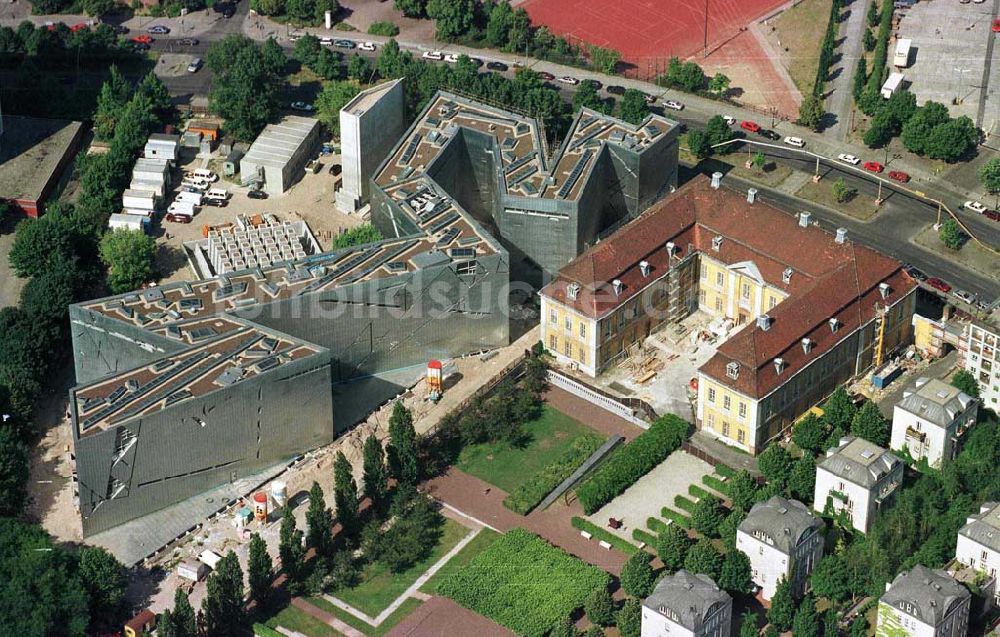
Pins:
x,y
826,50
695,491
677,518
716,484
603,534
260,630
641,535
656,525
725,471
683,503
524,583
533,490
881,54
632,461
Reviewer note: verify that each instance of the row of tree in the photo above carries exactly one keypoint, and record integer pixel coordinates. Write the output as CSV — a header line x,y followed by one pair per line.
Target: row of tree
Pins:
x,y
300,12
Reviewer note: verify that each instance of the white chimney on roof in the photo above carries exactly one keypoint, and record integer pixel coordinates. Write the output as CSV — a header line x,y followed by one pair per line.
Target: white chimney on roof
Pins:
x,y
671,247
786,275
804,219
883,289
807,344
644,267
779,364
617,285
716,243
834,324
716,180
572,291
751,195
841,235
764,322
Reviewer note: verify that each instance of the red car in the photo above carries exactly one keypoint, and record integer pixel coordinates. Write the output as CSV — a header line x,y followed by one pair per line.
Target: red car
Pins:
x,y
547,77
142,39
938,284
899,176
79,27
874,167
996,26
992,214
752,127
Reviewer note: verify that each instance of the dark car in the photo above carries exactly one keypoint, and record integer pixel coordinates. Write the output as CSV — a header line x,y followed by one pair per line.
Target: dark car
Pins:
x,y
915,273
992,215
140,46
770,134
218,203
257,194
188,42
120,29
228,12
614,89
547,77
344,44
596,84
496,66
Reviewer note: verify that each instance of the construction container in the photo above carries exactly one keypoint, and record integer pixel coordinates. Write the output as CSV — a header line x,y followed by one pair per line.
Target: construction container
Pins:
x,y
139,199
119,221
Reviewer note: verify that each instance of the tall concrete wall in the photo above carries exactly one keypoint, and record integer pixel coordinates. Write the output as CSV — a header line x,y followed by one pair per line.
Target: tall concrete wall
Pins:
x,y
370,125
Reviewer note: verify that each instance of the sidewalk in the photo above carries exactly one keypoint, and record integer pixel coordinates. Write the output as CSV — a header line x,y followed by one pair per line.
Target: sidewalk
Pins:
x,y
840,99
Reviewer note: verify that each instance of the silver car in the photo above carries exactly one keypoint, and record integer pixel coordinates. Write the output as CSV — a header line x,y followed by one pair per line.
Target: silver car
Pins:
x,y
968,297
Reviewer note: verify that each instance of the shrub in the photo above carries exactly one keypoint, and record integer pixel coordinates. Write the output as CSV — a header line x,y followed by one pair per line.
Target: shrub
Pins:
x,y
524,583
632,461
716,484
383,27
684,503
679,519
602,534
656,525
532,491
698,492
637,576
647,538
725,471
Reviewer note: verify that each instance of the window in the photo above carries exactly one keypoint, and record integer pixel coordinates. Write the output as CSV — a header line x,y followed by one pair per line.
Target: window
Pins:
x,y
727,403
568,349
711,394
583,330
569,324
771,302
745,291
984,556
701,297
741,436
711,421
553,343
719,279
552,317
743,409
725,429
583,356
621,319
704,271
718,304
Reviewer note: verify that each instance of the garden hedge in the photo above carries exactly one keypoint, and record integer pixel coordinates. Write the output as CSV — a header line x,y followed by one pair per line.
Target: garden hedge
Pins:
x,y
698,492
679,519
533,490
632,461
640,535
603,534
656,525
725,471
683,503
524,583
716,484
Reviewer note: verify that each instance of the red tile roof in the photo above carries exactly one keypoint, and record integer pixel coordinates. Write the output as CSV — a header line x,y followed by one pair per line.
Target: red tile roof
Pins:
x,y
829,279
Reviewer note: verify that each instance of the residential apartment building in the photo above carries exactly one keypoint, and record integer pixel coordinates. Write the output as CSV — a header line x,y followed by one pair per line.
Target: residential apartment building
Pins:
x,y
924,603
978,545
687,605
979,354
930,420
812,310
783,540
855,480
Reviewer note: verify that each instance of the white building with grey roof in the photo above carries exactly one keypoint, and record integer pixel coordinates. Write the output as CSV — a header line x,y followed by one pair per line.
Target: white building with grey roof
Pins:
x,y
978,545
930,420
855,479
924,603
783,540
279,154
687,605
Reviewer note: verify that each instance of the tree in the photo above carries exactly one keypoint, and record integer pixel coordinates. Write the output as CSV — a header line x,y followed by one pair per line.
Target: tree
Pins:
x,y
782,610
869,424
453,17
758,160
259,567
301,11
704,558
359,68
565,628
859,626
707,516
842,191
594,631
604,60
717,131
13,472
223,604
411,8
600,608
880,130
809,434
873,15
802,481
401,451
358,235
860,78
38,243
734,576
989,176
952,140
698,144
129,255
672,546
775,464
629,618
110,102
868,40
729,526
830,578
748,628
319,522
687,76
807,621
290,548
105,581
345,497
587,96
719,83
376,477
153,88
917,130
839,409
742,490
333,97
634,108
963,380
637,575
811,112
245,85
180,622
951,234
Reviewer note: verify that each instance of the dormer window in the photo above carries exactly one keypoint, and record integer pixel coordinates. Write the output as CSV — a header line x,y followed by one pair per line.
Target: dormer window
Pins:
x,y
779,365
572,291
644,267
834,325
884,289
716,243
786,276
733,370
807,345
616,285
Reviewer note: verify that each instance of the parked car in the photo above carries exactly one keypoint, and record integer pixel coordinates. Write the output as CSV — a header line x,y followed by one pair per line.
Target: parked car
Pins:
x,y
326,41
178,217
752,127
496,66
218,203
729,119
873,167
367,46
257,194
848,159
566,79
158,29
597,85
673,105
142,39
344,44
650,99
992,215
120,29
336,169
79,27
476,62
194,65
915,273
546,76
899,176
996,25
798,142
188,42
295,37
769,134
938,284
974,206
302,106
433,55
962,295
451,58
614,89
140,46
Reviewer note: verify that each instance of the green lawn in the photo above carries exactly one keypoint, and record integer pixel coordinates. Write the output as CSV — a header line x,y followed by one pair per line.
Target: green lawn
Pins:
x,y
506,467
294,619
478,544
379,586
390,622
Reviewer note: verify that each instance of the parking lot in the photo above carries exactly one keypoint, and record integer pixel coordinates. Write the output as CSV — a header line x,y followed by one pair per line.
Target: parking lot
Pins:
x,y
951,60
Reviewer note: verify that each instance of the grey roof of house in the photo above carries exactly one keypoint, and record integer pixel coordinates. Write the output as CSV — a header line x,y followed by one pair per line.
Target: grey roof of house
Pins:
x,y
930,593
984,527
278,143
784,521
690,596
860,461
934,401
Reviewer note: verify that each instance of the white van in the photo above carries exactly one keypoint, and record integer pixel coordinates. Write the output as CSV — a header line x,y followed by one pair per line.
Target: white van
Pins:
x,y
193,198
217,194
198,184
204,173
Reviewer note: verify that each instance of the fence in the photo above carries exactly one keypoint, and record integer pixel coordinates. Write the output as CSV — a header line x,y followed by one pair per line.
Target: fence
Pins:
x,y
633,410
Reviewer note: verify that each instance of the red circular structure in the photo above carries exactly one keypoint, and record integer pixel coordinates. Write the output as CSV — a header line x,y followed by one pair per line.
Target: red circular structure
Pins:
x,y
434,365
260,496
